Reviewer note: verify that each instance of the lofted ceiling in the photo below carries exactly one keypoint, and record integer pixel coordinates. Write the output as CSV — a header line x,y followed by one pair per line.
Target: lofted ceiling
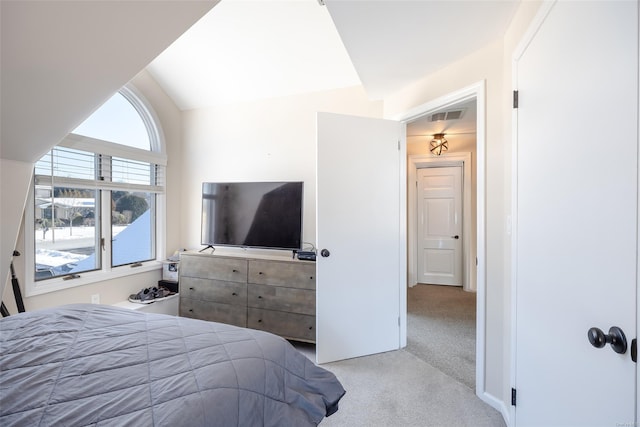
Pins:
x,y
244,50
251,49
62,59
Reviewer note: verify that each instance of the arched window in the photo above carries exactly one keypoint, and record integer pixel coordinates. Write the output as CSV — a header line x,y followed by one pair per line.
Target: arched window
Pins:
x,y
130,131
95,198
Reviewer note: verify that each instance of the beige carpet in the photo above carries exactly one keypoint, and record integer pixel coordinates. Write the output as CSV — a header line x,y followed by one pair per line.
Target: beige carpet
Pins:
x,y
397,389
441,329
409,387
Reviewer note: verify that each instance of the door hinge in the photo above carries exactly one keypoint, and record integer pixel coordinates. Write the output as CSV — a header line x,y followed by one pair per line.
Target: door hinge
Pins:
x,y
476,261
398,145
515,99
398,321
513,397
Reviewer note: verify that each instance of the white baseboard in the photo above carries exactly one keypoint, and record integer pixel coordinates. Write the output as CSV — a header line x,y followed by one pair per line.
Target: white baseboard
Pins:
x,y
498,405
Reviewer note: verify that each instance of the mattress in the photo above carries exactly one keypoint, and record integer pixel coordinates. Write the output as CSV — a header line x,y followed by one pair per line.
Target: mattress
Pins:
x,y
107,366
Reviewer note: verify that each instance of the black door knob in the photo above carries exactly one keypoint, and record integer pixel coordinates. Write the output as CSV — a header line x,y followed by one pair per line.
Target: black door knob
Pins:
x,y
455,237
325,253
615,337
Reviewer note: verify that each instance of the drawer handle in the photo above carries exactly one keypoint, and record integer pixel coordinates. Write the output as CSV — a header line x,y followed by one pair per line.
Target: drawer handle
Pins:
x,y
234,294
259,296
310,277
191,310
235,271
260,272
310,327
259,320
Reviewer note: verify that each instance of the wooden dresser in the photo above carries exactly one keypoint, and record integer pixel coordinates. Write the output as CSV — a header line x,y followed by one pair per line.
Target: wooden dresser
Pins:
x,y
271,294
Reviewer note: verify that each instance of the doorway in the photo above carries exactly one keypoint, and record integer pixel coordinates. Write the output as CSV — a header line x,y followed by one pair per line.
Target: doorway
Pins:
x,y
472,159
441,305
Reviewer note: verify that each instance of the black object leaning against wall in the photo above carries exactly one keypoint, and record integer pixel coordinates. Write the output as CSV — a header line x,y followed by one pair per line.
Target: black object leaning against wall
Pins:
x,y
16,291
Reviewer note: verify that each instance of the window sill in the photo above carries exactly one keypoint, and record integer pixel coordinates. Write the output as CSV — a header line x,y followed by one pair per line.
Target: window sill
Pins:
x,y
58,284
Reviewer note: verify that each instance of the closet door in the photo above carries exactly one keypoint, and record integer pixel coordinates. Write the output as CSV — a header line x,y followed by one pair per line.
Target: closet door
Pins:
x,y
359,234
576,236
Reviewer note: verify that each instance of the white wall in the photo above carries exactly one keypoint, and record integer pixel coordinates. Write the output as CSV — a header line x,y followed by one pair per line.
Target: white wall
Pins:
x,y
269,140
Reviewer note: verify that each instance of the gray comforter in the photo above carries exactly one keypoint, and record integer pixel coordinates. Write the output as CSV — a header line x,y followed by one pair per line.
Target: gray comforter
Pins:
x,y
100,365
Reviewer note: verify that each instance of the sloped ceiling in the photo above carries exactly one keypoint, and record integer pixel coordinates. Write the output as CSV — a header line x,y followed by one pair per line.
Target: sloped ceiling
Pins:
x,y
245,50
62,59
393,43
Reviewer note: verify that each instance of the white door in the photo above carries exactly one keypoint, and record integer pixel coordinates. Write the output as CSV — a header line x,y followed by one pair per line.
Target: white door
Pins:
x,y
576,215
358,231
440,226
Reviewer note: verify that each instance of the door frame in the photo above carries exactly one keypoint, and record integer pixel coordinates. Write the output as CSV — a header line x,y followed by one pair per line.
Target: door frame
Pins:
x,y
477,91
421,161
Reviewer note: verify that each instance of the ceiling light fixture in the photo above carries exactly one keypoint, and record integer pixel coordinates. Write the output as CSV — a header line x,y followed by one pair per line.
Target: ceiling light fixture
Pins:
x,y
438,144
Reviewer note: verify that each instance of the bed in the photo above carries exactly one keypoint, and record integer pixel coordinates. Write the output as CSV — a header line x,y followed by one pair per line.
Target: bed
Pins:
x,y
100,365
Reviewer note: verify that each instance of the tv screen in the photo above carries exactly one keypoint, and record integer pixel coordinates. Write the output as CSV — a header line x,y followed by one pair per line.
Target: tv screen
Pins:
x,y
252,214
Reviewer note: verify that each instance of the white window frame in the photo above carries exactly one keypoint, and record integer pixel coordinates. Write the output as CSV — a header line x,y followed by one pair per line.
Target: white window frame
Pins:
x,y
156,155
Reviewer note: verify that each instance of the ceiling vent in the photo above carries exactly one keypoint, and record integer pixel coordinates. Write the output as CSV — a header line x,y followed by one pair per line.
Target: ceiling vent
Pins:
x,y
437,117
447,115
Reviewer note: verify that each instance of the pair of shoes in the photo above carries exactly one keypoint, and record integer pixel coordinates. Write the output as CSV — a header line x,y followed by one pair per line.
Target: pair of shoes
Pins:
x,y
149,295
145,296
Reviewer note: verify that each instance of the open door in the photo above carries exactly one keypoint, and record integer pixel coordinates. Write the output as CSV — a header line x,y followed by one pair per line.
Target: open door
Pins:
x,y
576,213
359,234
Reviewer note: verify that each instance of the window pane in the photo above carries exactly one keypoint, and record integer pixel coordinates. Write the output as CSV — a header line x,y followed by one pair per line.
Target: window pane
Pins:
x,y
132,172
66,231
132,227
67,163
116,121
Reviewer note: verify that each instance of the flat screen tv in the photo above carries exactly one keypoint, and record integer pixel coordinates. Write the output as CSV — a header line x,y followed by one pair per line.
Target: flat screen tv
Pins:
x,y
252,214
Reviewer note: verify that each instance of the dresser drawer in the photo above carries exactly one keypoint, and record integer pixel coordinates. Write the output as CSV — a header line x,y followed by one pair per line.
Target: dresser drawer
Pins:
x,y
289,274
288,325
301,301
214,312
204,267
214,290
